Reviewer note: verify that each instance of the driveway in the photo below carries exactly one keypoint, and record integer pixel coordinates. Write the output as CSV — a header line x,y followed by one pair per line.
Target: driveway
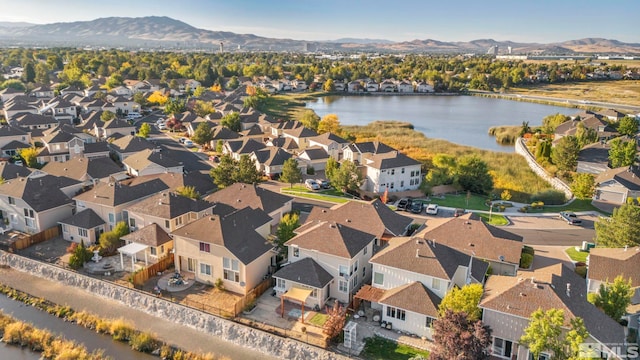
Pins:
x,y
550,255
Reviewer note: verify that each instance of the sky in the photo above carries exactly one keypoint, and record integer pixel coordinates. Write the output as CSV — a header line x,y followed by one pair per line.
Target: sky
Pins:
x,y
542,21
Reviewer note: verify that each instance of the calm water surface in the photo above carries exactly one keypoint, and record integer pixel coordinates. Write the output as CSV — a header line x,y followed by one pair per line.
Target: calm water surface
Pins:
x,y
460,119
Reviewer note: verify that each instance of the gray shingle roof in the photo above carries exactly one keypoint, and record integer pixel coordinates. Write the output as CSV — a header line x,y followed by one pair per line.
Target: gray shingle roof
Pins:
x,y
79,168
413,297
40,193
152,235
307,272
113,194
240,195
315,153
201,182
332,238
10,171
628,177
235,232
130,143
168,205
85,219
147,157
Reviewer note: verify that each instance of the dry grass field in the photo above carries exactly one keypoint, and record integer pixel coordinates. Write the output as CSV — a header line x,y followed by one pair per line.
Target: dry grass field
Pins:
x,y
615,91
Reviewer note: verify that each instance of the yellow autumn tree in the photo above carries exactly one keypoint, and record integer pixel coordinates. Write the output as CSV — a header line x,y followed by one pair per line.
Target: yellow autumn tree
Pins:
x,y
329,123
158,98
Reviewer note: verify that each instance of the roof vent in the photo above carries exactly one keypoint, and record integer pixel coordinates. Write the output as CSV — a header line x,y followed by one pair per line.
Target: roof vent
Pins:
x,y
568,290
324,210
348,220
417,253
418,242
523,294
471,244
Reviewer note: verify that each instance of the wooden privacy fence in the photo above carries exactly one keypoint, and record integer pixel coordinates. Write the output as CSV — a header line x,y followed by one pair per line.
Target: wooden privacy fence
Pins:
x,y
141,276
26,241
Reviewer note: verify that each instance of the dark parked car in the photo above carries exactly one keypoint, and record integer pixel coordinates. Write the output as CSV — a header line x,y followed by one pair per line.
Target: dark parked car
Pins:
x,y
404,204
458,212
323,183
570,218
416,207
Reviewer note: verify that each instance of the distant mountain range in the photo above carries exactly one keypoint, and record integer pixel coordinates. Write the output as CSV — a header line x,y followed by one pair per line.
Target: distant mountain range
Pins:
x,y
155,32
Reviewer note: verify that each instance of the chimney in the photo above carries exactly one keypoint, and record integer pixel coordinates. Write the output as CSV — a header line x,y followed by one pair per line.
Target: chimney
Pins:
x,y
568,290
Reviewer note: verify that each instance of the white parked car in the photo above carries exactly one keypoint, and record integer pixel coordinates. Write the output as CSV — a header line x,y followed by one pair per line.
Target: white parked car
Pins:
x,y
311,184
162,126
188,143
432,209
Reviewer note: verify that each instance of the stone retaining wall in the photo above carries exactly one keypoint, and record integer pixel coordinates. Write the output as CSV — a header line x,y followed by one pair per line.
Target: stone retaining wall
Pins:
x,y
556,183
238,334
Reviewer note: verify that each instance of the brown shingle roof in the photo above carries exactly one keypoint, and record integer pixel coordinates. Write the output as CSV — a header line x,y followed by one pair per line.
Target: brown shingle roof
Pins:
x,y
486,241
413,297
240,195
520,296
331,238
605,264
152,235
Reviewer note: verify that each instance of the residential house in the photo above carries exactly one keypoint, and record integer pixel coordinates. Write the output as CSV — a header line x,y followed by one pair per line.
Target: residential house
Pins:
x,y
61,109
232,248
237,148
617,185
85,226
301,135
509,301
605,264
36,202
86,171
12,138
240,195
222,133
405,86
147,162
112,127
33,122
355,86
110,200
98,149
594,158
611,114
153,240
10,171
89,120
387,85
385,167
60,144
372,86
14,108
254,132
200,182
411,276
339,85
287,144
128,145
72,90
269,161
9,93
91,90
331,143
592,123
373,217
299,85
42,92
278,128
315,157
423,87
470,235
169,210
342,251
121,91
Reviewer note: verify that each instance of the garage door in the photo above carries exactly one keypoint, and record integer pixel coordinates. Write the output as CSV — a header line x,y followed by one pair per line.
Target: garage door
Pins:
x,y
610,196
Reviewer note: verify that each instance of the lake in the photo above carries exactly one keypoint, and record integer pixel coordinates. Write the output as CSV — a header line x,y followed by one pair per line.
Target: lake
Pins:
x,y
463,120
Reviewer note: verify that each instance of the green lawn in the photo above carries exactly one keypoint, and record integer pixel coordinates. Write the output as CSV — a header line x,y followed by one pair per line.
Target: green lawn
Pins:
x,y
318,319
378,348
576,205
496,219
476,202
332,191
576,255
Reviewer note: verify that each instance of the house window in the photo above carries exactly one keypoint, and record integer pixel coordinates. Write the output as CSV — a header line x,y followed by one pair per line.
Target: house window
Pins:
x,y
112,218
178,221
354,281
364,272
365,250
391,186
12,201
205,269
355,267
401,183
435,284
231,269
378,278
167,225
281,283
412,174
542,356
191,264
502,347
402,171
153,250
132,222
344,270
205,247
82,232
429,321
296,251
28,213
393,171
396,313
343,286
65,228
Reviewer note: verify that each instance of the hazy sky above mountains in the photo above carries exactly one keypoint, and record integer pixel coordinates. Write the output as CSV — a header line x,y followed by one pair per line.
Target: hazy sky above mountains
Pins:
x,y
541,21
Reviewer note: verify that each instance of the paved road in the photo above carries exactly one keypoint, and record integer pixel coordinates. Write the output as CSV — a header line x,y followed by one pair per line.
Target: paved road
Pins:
x,y
630,107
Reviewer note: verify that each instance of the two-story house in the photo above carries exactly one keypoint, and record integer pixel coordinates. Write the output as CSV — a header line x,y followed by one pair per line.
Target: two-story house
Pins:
x,y
342,251
86,171
237,148
468,234
270,160
240,195
411,276
37,202
128,145
331,143
13,138
509,301
200,182
110,200
112,127
605,264
301,135
60,145
386,168
148,162
232,248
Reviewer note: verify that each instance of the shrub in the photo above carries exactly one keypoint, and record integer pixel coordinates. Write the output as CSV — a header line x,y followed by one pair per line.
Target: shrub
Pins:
x,y
219,284
528,250
311,170
143,342
121,330
582,271
524,209
526,260
549,197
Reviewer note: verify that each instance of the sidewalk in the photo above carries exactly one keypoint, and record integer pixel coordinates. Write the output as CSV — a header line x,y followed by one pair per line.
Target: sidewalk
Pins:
x,y
180,336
